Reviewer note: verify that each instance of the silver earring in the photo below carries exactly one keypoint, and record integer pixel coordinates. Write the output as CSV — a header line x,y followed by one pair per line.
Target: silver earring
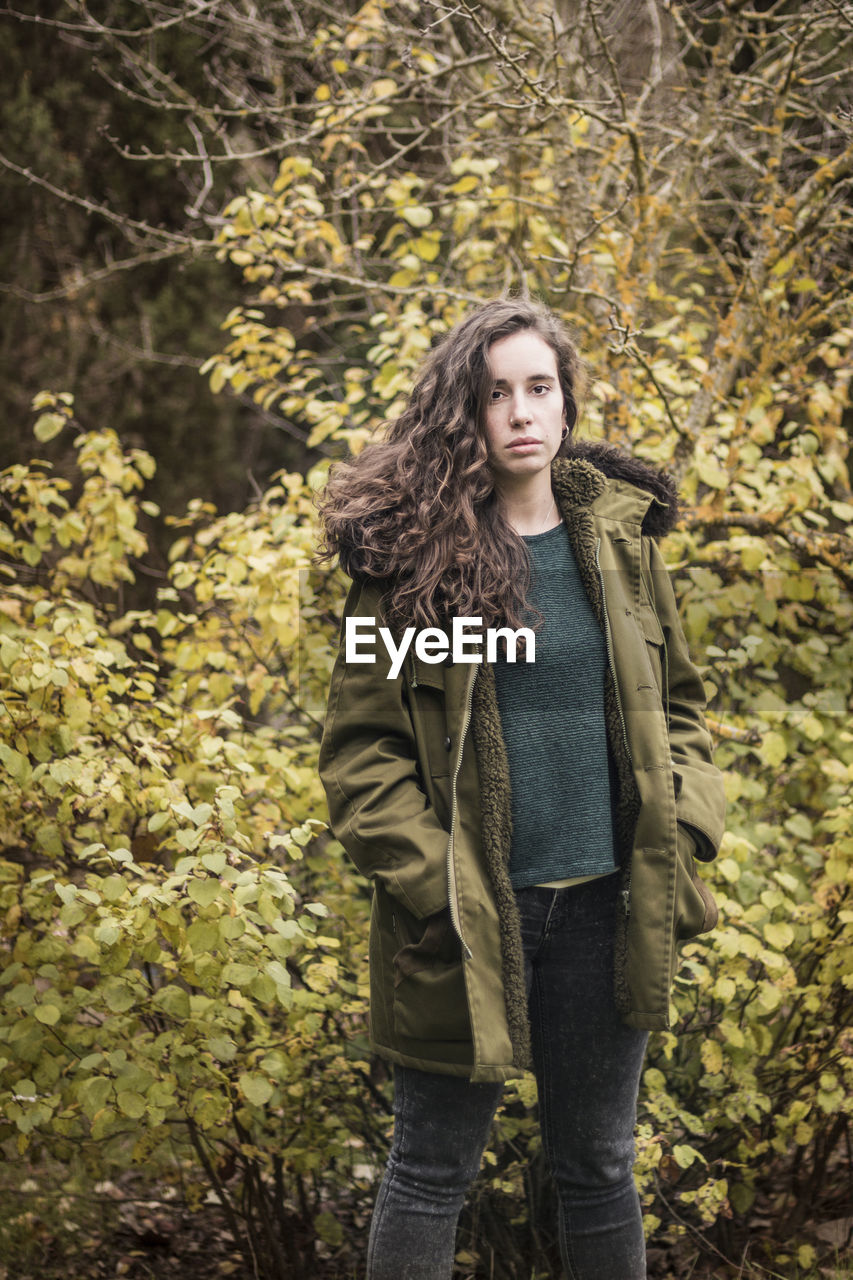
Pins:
x,y
564,433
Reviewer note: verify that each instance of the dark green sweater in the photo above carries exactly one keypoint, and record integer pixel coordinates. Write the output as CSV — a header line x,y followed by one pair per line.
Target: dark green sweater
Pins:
x,y
552,714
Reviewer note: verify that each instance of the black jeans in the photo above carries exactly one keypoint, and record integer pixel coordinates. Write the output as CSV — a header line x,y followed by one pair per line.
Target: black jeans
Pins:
x,y
587,1065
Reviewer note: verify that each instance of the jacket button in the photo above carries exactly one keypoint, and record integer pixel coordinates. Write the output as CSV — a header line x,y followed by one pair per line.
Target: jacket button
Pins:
x,y
447,743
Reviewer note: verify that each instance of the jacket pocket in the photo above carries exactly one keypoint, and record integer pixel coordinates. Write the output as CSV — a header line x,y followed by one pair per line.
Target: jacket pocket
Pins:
x,y
655,644
429,1001
695,909
429,714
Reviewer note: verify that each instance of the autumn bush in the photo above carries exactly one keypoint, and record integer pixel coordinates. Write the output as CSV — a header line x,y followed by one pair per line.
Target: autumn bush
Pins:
x,y
184,981
173,989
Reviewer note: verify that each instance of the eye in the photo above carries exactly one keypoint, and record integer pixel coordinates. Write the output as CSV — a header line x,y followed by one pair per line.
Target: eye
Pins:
x,y
496,394
541,388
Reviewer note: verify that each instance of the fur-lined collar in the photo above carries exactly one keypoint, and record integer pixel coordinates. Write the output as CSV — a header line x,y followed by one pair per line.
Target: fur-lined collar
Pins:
x,y
578,476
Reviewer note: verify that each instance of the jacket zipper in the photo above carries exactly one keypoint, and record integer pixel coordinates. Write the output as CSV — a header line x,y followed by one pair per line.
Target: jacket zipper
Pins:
x,y
665,671
451,876
608,641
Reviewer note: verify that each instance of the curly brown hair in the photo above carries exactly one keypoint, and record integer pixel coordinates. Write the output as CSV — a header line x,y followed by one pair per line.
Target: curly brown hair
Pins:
x,y
418,510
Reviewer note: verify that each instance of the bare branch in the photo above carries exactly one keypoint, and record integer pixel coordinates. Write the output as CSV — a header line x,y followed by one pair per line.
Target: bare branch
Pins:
x,y
193,210
81,281
201,7
124,221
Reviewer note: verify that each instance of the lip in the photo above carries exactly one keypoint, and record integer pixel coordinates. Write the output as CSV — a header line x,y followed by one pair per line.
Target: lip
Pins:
x,y
526,442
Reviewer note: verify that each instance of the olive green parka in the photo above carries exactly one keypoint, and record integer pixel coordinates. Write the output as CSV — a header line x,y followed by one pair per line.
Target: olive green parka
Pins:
x,y
417,782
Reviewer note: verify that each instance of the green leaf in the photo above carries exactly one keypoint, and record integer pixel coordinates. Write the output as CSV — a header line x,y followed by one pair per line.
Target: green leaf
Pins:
x,y
93,1094
256,1089
203,892
91,1060
204,935
238,975
189,839
48,1014
113,888
49,838
174,1001
118,995
328,1228
222,1048
16,764
131,1103
276,970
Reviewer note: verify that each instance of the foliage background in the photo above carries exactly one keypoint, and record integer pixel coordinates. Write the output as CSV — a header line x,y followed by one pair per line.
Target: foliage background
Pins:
x,y
295,202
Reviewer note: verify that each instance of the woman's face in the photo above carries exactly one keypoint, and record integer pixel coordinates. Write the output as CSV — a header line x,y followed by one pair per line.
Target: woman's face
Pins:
x,y
524,415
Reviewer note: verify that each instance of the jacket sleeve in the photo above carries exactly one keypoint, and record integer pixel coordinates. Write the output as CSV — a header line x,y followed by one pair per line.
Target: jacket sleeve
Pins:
x,y
700,795
368,767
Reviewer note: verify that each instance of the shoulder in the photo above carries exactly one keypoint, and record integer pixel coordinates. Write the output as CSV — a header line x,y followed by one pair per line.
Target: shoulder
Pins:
x,y
366,596
617,485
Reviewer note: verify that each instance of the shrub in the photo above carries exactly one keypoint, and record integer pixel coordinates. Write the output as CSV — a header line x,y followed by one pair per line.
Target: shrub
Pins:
x,y
173,993
184,975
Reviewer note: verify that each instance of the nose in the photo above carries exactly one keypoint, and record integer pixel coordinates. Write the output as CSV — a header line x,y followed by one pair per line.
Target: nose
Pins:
x,y
519,412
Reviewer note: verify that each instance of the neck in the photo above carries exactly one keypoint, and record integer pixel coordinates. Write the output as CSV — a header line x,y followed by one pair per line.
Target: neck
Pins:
x,y
532,509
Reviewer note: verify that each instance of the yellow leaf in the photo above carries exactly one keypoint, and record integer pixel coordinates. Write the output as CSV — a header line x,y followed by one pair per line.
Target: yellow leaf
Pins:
x,y
417,215
784,265
725,989
812,728
768,996
426,248
712,474
774,748
732,1033
712,1057
684,1155
779,936
383,88
402,279
49,425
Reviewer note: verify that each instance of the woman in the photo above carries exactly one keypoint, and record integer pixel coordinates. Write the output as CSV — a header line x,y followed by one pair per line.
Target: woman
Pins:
x,y
530,827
